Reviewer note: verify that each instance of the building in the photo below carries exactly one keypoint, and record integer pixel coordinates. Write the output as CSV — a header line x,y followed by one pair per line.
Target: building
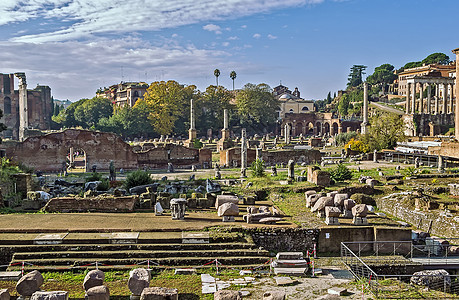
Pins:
x,y
124,93
36,106
432,70
291,103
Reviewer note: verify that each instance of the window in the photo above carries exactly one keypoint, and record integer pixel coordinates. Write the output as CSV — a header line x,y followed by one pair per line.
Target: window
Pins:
x,y
305,108
7,105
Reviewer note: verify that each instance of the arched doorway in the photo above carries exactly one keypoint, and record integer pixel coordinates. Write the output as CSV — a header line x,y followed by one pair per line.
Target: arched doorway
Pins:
x,y
310,129
318,128
76,160
298,128
326,128
334,128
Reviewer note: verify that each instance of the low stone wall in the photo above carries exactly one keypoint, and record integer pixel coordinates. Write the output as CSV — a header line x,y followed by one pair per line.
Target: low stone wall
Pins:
x,y
441,225
94,204
285,239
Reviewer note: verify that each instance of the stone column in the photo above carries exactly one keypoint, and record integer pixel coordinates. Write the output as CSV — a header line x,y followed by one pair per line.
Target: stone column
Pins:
x,y
23,113
287,134
421,98
429,90
71,160
456,121
413,103
243,152
451,101
363,126
445,99
225,130
437,100
192,131
407,108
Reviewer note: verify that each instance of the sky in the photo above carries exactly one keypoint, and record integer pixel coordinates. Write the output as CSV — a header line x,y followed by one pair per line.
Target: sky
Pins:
x,y
77,46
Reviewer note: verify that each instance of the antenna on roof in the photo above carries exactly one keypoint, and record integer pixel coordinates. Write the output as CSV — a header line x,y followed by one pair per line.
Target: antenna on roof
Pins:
x,y
280,82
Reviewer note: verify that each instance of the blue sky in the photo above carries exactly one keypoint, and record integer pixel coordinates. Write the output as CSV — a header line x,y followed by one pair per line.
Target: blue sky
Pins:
x,y
77,46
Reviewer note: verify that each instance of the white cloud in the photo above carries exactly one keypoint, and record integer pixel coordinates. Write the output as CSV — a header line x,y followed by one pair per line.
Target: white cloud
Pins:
x,y
256,36
272,37
233,38
89,17
212,28
244,26
225,44
76,69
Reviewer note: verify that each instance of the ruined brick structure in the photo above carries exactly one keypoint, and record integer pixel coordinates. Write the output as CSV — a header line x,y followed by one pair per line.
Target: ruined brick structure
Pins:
x,y
50,152
39,106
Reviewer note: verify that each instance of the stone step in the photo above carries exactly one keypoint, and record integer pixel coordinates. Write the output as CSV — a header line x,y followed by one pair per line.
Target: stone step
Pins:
x,y
140,253
133,262
121,247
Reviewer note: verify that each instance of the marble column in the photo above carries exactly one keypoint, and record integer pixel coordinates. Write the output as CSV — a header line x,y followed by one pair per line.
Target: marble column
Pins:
x,y
23,113
243,152
407,107
413,103
456,120
421,98
192,130
429,90
437,100
451,101
363,126
445,99
225,130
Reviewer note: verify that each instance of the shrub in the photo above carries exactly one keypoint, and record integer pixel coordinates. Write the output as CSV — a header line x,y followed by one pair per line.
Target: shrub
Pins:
x,y
104,185
197,144
345,137
363,199
258,168
356,145
136,178
94,177
340,173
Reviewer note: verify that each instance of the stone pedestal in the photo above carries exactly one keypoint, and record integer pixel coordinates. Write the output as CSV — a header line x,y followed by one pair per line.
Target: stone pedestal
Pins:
x,y
360,221
331,221
347,214
228,219
178,206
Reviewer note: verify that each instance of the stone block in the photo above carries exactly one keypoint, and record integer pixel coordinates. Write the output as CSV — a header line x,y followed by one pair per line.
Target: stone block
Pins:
x,y
348,204
100,292
312,199
274,295
308,193
360,210
333,212
228,209
331,221
227,295
270,220
339,199
138,280
55,295
322,203
159,293
249,200
254,218
360,221
226,199
29,283
289,255
4,294
93,278
284,280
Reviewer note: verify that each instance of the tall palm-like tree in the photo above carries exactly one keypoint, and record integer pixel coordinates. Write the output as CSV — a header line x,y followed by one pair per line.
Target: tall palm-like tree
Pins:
x,y
233,76
216,74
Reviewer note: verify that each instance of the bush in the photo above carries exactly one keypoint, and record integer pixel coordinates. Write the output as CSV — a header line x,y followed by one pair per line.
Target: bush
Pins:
x,y
136,178
104,185
258,168
340,173
94,177
345,137
363,199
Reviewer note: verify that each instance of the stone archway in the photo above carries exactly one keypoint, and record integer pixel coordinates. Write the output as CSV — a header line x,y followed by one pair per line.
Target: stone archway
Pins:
x,y
298,128
334,128
76,160
326,128
318,128
310,129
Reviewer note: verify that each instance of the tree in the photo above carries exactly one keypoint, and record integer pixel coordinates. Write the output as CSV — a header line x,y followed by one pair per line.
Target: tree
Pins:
x,y
343,105
93,110
166,103
385,131
256,105
355,76
413,64
210,106
329,98
233,76
66,117
383,74
436,58
216,74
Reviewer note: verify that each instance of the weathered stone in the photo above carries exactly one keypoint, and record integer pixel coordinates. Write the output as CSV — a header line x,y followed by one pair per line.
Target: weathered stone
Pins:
x,y
212,187
178,207
331,211
339,199
227,295
159,293
332,194
274,295
100,292
252,209
138,280
270,220
360,210
226,199
308,193
322,203
29,283
371,182
4,295
228,209
263,209
348,204
253,218
55,295
363,199
93,278
312,199
432,278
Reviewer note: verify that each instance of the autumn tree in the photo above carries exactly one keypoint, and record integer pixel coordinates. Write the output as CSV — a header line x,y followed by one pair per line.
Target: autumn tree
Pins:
x,y
210,106
167,103
385,131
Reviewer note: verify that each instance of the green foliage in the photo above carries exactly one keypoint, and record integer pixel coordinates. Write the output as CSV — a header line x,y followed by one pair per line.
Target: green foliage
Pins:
x,y
345,137
340,173
216,74
136,178
383,74
258,168
233,76
355,76
412,64
385,131
343,105
92,110
436,58
256,105
197,144
104,185
94,177
409,171
210,107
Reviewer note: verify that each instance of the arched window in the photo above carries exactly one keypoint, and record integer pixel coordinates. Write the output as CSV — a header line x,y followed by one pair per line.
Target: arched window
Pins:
x,y
7,105
136,94
291,110
305,108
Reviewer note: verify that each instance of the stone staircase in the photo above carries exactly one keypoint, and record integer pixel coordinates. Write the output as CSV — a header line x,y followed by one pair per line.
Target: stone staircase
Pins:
x,y
157,250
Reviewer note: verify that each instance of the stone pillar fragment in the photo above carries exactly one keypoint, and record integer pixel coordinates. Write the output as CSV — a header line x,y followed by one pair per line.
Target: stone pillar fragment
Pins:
x,y
364,124
243,152
445,99
429,91
192,131
23,112
413,102
421,98
407,104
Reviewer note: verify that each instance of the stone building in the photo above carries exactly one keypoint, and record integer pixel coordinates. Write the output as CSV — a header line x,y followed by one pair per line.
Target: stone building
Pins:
x,y
291,102
124,93
36,106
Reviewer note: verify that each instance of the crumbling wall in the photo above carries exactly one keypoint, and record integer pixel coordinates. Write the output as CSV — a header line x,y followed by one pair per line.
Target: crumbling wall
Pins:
x,y
106,203
176,154
271,157
285,239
